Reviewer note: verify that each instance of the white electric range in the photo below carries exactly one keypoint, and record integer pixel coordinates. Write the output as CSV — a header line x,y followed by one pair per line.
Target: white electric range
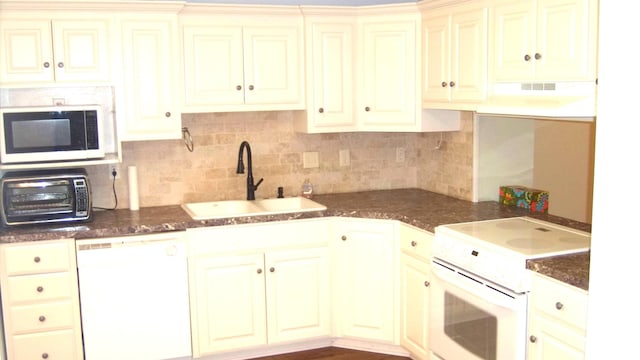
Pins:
x,y
498,250
480,284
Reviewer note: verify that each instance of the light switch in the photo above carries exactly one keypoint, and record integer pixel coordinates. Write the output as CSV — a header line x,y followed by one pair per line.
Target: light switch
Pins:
x,y
310,160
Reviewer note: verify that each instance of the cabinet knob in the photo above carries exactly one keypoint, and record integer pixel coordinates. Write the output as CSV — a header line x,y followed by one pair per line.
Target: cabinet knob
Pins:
x,y
321,110
533,339
238,87
344,237
444,84
414,243
46,64
259,271
42,318
272,269
527,57
426,284
45,355
39,289
452,84
167,114
367,108
36,259
537,56
559,305
61,65
250,87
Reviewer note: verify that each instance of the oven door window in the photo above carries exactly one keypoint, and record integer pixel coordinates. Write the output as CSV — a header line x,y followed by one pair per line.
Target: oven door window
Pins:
x,y
470,327
28,199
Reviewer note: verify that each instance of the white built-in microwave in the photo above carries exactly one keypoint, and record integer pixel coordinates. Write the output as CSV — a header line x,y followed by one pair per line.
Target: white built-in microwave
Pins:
x,y
43,134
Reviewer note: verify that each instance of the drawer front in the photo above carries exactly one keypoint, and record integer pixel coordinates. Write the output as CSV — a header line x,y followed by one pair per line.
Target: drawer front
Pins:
x,y
54,345
37,288
37,258
560,301
41,317
415,242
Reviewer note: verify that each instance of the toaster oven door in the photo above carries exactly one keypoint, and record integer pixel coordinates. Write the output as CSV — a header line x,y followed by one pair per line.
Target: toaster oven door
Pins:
x,y
38,201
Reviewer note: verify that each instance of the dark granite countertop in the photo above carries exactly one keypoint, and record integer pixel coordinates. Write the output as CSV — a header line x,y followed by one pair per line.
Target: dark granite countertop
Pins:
x,y
420,208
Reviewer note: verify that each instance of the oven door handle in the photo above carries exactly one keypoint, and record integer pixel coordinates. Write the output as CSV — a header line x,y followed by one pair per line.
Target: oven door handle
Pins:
x,y
475,286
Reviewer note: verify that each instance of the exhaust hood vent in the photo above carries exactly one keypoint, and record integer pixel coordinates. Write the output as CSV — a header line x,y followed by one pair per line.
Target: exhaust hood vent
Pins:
x,y
574,101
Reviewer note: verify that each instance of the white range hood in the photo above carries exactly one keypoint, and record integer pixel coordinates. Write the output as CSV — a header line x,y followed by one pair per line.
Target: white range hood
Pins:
x,y
567,101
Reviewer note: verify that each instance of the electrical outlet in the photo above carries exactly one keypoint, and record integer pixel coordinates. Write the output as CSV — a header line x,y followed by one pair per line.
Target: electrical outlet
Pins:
x,y
310,160
400,154
344,158
112,168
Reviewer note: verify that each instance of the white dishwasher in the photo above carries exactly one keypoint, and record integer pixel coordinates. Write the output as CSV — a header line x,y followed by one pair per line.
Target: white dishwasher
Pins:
x,y
134,297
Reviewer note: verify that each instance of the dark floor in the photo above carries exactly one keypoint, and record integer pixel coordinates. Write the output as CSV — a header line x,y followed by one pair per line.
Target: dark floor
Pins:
x,y
332,353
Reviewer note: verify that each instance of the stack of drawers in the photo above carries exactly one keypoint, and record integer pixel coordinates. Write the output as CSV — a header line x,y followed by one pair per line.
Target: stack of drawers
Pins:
x,y
40,304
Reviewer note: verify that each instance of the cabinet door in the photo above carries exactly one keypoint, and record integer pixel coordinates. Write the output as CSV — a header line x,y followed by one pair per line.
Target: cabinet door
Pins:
x,y
365,278
550,340
415,276
514,38
437,58
388,76
27,54
563,40
213,67
298,301
330,67
468,55
149,56
80,49
272,65
230,303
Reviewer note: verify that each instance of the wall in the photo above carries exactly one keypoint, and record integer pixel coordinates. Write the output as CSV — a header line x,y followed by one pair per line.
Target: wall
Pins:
x,y
170,174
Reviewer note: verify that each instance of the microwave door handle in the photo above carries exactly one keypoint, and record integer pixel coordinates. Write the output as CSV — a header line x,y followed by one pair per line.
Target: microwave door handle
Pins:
x,y
477,288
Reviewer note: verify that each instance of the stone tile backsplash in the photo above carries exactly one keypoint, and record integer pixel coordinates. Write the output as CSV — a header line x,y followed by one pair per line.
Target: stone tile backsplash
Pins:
x,y
169,174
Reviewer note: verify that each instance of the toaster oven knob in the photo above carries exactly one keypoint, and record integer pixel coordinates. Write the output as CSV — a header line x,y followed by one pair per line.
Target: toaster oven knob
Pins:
x,y
533,339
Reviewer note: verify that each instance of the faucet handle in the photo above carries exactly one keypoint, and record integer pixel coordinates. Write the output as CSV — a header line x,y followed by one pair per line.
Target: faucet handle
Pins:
x,y
255,187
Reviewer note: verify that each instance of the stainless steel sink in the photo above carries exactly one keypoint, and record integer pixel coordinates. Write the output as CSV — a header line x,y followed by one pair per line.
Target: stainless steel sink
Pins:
x,y
237,208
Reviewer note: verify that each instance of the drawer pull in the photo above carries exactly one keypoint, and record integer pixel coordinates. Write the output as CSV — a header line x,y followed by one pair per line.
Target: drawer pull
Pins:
x,y
344,237
45,355
272,269
533,339
426,284
36,259
559,305
40,289
414,243
259,271
42,318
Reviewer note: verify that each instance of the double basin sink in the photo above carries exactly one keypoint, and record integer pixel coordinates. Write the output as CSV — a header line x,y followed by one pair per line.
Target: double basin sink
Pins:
x,y
237,208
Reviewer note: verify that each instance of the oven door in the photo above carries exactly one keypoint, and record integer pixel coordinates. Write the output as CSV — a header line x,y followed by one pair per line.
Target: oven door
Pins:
x,y
473,319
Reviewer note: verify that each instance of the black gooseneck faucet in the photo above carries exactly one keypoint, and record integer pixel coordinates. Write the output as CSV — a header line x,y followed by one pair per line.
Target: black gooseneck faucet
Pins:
x,y
251,187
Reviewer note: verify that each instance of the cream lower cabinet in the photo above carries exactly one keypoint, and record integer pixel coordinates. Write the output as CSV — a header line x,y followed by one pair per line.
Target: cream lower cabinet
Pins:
x,y
557,320
258,284
415,279
40,301
365,266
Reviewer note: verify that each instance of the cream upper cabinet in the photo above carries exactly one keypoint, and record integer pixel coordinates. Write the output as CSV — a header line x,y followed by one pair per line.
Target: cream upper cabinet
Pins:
x,y
366,295
415,282
543,40
147,89
330,56
557,320
455,56
235,62
70,50
258,284
387,93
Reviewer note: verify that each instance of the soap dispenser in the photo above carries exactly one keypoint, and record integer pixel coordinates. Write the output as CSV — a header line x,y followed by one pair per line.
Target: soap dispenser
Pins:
x,y
307,189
